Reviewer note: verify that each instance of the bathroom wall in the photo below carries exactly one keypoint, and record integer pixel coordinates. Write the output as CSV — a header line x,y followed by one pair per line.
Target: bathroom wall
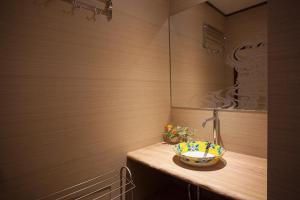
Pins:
x,y
76,95
242,132
284,98
179,5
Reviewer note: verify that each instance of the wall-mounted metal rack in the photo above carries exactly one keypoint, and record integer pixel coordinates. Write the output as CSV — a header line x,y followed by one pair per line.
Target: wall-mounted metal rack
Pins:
x,y
213,39
107,10
91,5
113,185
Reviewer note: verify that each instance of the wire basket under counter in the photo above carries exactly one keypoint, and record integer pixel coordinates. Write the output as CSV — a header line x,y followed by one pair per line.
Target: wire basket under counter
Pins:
x,y
113,185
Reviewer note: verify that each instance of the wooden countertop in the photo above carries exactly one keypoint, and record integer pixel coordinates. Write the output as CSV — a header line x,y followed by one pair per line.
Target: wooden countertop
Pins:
x,y
238,176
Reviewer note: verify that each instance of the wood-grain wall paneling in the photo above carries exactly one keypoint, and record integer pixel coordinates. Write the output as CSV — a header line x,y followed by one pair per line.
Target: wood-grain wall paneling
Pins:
x,y
242,132
179,5
76,95
193,119
284,98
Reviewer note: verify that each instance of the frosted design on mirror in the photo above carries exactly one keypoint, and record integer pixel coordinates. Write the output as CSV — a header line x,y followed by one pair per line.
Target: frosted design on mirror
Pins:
x,y
249,92
204,78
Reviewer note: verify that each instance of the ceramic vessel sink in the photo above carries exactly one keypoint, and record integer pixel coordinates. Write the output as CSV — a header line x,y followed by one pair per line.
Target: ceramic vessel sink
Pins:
x,y
199,153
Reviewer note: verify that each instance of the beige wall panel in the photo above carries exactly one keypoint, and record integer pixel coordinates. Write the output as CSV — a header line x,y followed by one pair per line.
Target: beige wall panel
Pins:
x,y
76,95
193,119
179,5
244,132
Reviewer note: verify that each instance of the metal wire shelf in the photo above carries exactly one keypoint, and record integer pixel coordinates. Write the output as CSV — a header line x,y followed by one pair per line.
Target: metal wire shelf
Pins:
x,y
113,185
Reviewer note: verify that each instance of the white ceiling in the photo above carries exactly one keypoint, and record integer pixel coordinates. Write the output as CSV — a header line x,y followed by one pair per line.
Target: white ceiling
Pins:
x,y
231,6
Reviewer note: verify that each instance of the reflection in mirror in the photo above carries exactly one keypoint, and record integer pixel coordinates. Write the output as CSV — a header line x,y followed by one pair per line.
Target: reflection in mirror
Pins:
x,y
219,55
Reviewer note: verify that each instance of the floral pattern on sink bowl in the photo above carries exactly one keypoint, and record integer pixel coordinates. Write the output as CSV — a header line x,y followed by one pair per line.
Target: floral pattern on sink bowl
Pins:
x,y
199,153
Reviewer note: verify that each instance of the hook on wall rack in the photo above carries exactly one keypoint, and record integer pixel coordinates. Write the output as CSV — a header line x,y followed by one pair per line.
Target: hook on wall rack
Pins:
x,y
83,4
107,10
213,40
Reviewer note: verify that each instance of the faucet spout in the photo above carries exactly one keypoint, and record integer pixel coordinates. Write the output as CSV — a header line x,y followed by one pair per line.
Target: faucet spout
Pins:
x,y
207,120
215,120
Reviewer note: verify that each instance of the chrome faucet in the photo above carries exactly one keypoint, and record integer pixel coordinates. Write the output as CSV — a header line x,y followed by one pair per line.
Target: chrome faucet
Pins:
x,y
215,119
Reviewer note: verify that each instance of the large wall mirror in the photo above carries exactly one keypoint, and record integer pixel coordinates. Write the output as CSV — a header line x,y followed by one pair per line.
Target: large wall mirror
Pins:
x,y
218,54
